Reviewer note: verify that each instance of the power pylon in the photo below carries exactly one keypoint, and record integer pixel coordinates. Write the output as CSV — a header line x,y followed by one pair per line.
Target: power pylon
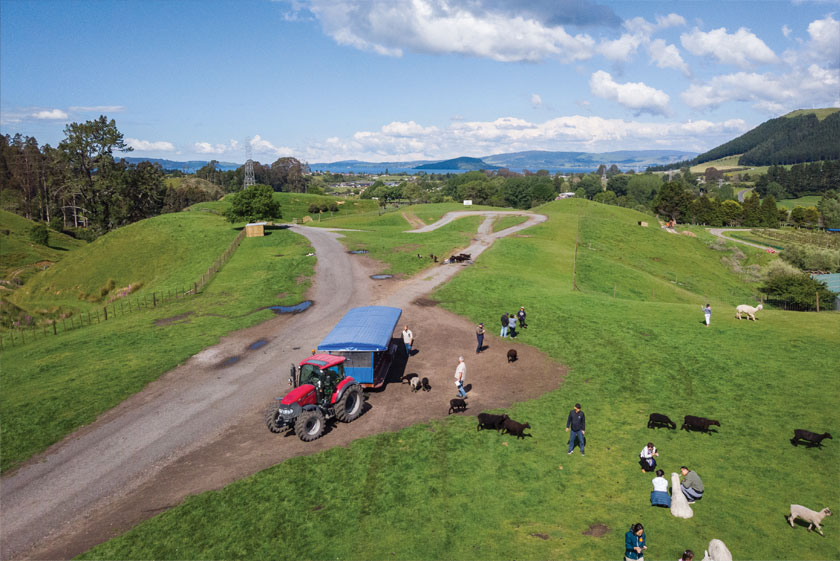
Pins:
x,y
249,166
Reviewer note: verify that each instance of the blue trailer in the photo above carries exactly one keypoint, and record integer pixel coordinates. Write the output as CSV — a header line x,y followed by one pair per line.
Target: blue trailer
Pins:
x,y
363,336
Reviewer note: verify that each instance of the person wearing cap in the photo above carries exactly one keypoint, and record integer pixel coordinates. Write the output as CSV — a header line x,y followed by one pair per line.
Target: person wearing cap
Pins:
x,y
521,316
577,423
479,336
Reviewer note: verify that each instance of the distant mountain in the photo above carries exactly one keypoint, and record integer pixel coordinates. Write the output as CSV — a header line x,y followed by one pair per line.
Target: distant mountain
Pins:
x,y
187,167
462,164
534,160
800,136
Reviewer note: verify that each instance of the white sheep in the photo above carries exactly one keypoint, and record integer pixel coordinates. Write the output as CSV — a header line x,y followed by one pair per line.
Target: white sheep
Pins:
x,y
808,515
679,504
749,310
717,552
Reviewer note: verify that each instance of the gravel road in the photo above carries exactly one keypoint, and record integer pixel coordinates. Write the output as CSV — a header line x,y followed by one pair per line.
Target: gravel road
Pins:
x,y
200,426
720,231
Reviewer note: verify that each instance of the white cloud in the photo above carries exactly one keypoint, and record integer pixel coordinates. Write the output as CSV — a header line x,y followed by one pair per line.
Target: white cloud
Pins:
x,y
448,27
510,134
825,39
742,48
667,56
814,86
621,49
146,145
97,108
786,31
50,114
207,148
536,101
262,146
633,95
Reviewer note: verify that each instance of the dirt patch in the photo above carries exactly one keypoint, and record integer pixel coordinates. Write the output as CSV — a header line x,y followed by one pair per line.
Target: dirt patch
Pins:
x,y
596,530
425,302
280,295
412,219
541,536
174,319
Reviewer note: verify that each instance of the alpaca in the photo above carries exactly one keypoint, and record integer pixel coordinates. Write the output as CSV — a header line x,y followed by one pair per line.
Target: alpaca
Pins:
x,y
749,310
457,405
717,552
811,517
679,504
658,420
490,421
511,355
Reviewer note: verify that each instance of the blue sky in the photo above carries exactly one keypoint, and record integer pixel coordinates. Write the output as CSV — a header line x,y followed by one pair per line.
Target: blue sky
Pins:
x,y
397,80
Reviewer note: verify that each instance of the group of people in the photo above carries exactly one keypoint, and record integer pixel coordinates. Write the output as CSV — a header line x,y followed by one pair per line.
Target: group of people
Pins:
x,y
691,485
509,322
635,545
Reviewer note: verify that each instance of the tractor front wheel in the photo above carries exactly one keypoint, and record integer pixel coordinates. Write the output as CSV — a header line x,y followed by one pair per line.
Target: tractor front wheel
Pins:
x,y
309,425
272,418
349,407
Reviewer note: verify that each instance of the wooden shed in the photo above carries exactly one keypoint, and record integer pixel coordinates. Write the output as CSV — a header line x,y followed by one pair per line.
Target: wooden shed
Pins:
x,y
255,229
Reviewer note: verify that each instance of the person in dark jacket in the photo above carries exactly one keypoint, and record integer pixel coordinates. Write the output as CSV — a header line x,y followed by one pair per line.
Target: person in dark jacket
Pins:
x,y
577,423
479,337
520,315
505,324
635,543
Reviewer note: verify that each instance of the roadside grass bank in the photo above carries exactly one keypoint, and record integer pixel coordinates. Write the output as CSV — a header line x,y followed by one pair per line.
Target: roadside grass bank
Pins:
x,y
442,490
504,222
58,384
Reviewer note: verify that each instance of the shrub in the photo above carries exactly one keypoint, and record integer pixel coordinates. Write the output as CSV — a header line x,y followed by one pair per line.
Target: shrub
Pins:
x,y
107,287
797,289
314,208
39,234
811,258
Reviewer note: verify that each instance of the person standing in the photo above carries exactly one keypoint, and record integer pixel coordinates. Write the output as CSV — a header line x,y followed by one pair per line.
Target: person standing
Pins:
x,y
408,340
520,315
646,457
460,374
692,485
707,311
512,325
635,543
479,336
505,324
577,423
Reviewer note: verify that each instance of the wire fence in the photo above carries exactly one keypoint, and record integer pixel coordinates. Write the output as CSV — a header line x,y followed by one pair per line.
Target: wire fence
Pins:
x,y
28,330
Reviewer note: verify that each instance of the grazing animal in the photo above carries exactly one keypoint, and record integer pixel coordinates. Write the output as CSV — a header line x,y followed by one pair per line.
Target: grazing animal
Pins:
x,y
512,355
416,384
698,423
425,384
810,438
491,421
749,310
456,405
808,515
660,420
406,379
679,504
717,552
512,427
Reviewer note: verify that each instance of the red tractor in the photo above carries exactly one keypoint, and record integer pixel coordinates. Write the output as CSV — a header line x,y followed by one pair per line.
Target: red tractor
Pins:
x,y
321,392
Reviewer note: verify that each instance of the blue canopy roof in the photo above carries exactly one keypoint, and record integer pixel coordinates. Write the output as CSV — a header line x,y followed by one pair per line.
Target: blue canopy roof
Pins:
x,y
363,329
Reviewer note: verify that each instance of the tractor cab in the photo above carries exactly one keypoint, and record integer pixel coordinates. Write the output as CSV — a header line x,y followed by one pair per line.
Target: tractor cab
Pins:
x,y
322,371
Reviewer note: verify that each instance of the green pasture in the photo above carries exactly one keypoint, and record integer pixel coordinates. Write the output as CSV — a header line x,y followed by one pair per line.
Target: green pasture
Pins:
x,y
170,251
442,490
804,202
721,164
57,384
19,256
755,237
296,206
504,222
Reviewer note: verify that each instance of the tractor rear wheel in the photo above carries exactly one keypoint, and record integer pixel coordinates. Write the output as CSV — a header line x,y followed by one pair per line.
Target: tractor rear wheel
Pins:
x,y
272,418
349,407
309,425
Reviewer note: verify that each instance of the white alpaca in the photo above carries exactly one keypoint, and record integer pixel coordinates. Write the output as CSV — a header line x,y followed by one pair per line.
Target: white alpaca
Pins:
x,y
679,504
717,552
749,310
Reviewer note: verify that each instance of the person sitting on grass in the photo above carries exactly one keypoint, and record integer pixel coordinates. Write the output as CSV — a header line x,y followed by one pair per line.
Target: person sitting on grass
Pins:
x,y
692,485
646,457
659,496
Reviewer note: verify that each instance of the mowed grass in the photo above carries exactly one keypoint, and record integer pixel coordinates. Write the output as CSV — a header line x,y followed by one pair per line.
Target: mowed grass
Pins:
x,y
58,384
507,222
442,490
167,252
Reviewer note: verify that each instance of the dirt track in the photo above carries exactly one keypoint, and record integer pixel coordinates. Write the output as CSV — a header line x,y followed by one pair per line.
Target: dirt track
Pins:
x,y
200,426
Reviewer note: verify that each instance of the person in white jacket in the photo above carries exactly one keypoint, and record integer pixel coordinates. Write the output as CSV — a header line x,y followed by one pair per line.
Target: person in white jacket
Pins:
x,y
646,457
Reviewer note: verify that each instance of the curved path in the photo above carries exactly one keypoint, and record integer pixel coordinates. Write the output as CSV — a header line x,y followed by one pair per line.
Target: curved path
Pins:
x,y
200,427
719,233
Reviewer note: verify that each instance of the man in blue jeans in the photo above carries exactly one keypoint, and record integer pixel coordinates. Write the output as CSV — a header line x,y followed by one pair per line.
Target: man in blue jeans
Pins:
x,y
577,423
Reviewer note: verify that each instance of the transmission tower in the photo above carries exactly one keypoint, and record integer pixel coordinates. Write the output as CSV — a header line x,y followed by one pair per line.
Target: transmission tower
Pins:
x,y
249,166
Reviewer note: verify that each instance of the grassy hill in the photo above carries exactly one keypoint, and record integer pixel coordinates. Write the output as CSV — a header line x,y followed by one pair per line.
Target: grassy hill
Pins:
x,y
442,490
296,206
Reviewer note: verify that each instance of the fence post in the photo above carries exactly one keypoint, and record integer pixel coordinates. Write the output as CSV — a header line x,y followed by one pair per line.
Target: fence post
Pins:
x,y
615,287
195,288
55,332
818,301
64,324
106,312
154,301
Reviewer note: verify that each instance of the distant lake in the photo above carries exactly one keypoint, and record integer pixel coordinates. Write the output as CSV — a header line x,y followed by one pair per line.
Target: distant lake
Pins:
x,y
372,169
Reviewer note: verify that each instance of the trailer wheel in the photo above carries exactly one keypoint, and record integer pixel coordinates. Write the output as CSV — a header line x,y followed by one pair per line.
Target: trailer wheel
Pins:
x,y
309,425
349,407
272,418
